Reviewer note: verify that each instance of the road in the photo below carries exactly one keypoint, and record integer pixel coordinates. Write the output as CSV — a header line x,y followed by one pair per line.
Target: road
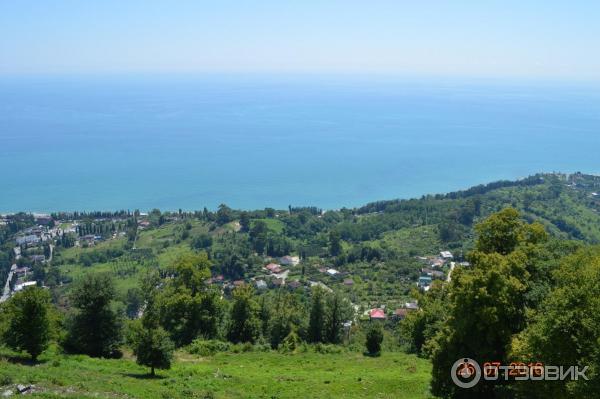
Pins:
x,y
6,291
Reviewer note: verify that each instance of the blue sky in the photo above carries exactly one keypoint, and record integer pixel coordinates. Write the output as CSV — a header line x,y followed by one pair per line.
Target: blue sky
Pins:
x,y
542,39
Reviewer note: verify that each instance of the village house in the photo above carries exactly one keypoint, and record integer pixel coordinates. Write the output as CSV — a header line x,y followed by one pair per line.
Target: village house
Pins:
x,y
261,285
289,260
332,272
400,314
424,283
22,286
28,240
293,285
377,314
446,255
274,268
348,282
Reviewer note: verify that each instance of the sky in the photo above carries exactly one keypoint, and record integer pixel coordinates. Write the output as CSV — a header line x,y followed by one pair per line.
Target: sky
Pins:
x,y
510,38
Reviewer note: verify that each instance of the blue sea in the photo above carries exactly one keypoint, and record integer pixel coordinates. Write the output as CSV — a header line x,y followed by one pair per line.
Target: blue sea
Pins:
x,y
255,141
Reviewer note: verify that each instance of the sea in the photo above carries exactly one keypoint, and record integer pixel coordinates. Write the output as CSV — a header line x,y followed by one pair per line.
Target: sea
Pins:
x,y
111,142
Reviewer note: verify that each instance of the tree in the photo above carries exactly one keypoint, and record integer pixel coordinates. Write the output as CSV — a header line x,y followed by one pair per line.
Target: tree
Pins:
x,y
151,346
244,222
335,246
337,311
244,321
29,321
316,320
258,236
95,329
224,214
566,329
486,303
374,339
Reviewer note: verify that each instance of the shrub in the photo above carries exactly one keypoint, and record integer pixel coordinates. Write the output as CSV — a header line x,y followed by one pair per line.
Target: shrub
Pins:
x,y
208,347
374,339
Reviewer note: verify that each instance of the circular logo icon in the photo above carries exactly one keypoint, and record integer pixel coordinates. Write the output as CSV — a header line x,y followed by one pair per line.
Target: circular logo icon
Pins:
x,y
465,373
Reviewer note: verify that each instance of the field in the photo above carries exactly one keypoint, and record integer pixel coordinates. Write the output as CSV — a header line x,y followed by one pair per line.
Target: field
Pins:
x,y
225,375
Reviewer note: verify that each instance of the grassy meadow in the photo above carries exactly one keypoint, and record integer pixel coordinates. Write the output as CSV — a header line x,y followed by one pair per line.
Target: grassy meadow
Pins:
x,y
224,375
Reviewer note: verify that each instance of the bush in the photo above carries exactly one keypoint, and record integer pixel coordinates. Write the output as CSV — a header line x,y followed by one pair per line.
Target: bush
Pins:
x,y
290,343
208,347
374,339
327,349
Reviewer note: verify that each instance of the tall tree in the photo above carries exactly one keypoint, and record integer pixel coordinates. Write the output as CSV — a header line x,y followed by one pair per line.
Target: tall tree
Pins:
x,y
244,321
29,321
317,316
95,329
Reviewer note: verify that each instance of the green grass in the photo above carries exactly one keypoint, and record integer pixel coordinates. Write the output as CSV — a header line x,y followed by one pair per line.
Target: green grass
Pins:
x,y
274,225
226,375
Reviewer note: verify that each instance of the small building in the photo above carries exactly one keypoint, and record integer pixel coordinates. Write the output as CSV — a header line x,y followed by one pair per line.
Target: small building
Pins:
x,y
332,272
413,305
377,314
238,283
289,260
274,268
294,285
447,255
261,285
22,286
424,282
278,282
29,239
348,282
400,314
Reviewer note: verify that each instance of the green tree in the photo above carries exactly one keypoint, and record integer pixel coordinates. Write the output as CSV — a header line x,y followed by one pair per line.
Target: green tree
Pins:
x,y
258,236
335,245
316,323
374,339
95,329
28,321
486,303
566,329
244,323
152,347
337,310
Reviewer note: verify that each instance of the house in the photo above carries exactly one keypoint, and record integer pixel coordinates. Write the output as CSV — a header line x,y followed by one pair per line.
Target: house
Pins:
x,y
332,272
143,224
22,271
29,239
278,282
349,282
274,268
437,262
411,305
289,260
424,282
377,314
400,314
293,285
261,285
41,218
22,286
447,255
438,274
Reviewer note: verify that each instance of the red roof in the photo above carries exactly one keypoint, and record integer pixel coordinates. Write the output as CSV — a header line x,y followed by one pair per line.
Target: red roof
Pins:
x,y
377,314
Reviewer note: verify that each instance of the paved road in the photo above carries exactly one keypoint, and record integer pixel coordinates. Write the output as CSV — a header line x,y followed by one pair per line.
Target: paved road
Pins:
x,y
6,292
